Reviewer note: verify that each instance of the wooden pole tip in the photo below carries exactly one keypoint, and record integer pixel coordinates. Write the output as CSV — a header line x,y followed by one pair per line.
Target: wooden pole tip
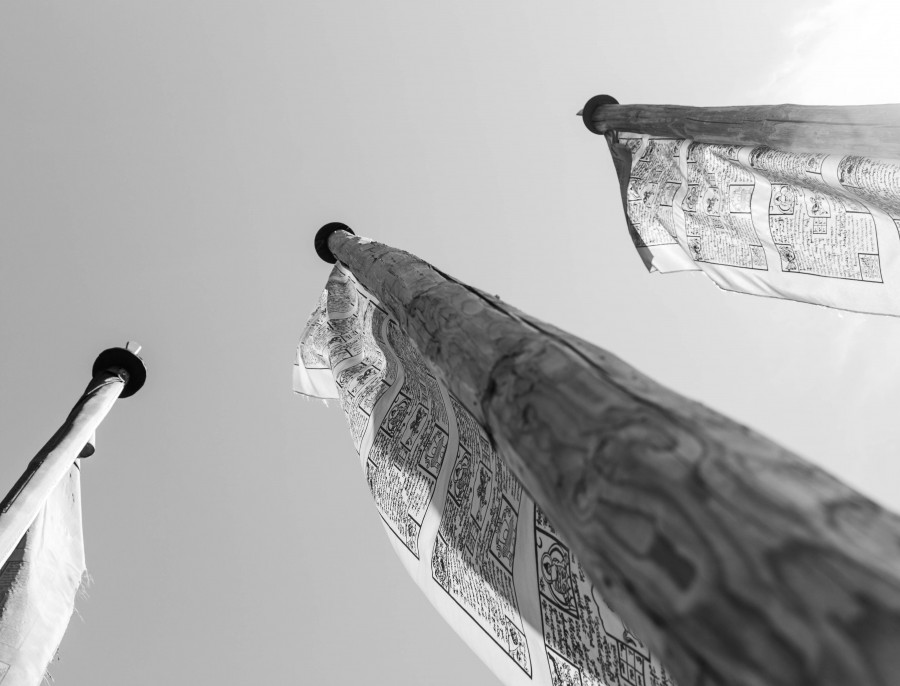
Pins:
x,y
321,240
587,114
125,359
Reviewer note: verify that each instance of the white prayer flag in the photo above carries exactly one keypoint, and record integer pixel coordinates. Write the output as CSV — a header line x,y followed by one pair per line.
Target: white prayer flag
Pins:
x,y
41,545
38,585
473,540
818,228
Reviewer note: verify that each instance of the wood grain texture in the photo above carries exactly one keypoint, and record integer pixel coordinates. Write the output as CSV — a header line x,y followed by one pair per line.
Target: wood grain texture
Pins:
x,y
868,130
735,560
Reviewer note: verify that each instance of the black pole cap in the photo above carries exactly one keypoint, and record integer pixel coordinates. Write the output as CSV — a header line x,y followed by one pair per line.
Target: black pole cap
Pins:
x,y
123,358
587,114
321,240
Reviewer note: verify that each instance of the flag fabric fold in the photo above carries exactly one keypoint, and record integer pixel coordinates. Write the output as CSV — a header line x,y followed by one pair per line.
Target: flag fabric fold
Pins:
x,y
817,228
41,545
38,585
473,540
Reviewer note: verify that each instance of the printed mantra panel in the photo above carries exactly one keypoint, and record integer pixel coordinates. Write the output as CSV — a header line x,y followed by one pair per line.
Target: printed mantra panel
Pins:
x,y
816,231
461,522
654,181
718,222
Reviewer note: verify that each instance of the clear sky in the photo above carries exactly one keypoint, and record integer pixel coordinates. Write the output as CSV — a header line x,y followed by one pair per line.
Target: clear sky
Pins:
x,y
163,168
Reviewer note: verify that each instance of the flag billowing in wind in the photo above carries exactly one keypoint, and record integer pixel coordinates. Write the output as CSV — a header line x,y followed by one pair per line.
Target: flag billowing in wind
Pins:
x,y
38,585
41,545
814,227
485,556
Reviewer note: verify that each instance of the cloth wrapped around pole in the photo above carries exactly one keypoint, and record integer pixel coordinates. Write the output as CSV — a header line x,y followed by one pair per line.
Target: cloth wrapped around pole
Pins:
x,y
782,201
575,521
41,543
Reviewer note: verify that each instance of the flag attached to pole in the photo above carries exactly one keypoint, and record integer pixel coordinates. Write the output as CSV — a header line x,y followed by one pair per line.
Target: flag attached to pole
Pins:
x,y
473,540
38,585
41,545
785,201
530,482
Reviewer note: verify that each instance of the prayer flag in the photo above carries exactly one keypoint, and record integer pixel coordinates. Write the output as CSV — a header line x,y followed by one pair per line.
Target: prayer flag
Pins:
x,y
41,545
532,482
38,585
465,529
818,225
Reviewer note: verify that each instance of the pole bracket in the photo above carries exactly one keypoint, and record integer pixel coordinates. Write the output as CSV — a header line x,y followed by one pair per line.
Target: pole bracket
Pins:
x,y
587,114
321,240
121,358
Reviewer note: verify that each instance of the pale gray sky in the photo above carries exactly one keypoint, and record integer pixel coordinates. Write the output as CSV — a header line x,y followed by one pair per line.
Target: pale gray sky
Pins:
x,y
163,168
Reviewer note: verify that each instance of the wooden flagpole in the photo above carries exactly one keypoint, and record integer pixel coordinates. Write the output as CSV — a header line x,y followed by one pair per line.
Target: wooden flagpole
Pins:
x,y
117,372
735,560
868,130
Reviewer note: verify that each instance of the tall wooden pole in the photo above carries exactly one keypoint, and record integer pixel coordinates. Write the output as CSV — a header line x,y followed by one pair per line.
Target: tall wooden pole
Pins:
x,y
735,560
868,130
117,372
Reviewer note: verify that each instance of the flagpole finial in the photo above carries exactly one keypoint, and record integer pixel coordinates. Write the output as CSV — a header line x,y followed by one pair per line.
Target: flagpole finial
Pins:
x,y
125,359
321,240
587,114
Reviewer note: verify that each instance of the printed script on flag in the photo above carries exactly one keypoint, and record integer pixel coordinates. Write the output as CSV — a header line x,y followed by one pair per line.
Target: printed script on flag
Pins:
x,y
485,556
818,228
